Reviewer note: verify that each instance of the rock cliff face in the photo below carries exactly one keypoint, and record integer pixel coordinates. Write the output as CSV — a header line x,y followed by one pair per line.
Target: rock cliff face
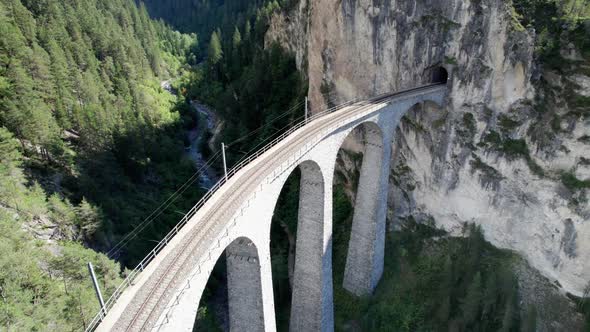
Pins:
x,y
494,155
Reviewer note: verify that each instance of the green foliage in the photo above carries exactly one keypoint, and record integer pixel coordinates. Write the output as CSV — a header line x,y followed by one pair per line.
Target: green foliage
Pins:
x,y
511,148
249,87
236,39
572,182
471,303
506,123
530,320
556,22
488,171
88,217
215,52
466,129
63,212
206,321
515,148
80,90
433,282
41,291
72,222
204,17
11,175
451,60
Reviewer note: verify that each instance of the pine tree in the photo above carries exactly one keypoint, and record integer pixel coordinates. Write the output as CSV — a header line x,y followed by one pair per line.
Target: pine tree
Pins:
x,y
89,218
530,320
215,53
26,114
509,316
247,30
63,84
63,214
471,304
39,69
490,296
11,176
236,39
24,20
445,288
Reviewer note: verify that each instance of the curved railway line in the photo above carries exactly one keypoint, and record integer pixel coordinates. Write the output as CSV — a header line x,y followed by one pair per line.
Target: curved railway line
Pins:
x,y
146,306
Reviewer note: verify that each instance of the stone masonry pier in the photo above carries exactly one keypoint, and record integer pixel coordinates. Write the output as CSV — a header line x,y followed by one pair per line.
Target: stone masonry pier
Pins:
x,y
237,220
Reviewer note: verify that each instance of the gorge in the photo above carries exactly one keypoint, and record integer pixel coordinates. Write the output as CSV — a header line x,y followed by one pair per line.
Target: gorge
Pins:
x,y
103,143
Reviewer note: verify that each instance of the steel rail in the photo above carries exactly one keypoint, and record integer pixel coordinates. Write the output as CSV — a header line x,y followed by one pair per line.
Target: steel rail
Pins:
x,y
150,257
251,179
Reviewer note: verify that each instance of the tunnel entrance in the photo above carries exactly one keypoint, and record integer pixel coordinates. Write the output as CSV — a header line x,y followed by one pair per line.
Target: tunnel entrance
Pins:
x,y
439,75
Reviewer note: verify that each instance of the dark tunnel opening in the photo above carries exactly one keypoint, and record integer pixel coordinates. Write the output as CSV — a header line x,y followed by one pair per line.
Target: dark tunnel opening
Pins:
x,y
440,75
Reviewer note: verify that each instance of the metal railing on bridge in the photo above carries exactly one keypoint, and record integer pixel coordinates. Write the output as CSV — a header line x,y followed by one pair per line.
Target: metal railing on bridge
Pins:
x,y
231,172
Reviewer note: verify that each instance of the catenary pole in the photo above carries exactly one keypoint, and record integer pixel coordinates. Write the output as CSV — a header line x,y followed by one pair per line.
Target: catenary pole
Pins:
x,y
97,289
224,162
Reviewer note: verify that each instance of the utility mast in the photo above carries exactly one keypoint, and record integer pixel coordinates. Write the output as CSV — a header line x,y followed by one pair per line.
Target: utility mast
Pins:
x,y
224,162
306,110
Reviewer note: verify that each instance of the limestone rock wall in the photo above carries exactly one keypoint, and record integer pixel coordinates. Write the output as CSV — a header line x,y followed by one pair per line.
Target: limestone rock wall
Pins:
x,y
490,156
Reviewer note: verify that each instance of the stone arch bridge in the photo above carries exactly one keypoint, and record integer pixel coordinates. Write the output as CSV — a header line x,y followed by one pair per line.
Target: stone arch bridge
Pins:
x,y
164,295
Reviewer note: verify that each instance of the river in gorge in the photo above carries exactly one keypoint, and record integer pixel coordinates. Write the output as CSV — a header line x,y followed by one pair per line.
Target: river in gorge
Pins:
x,y
197,137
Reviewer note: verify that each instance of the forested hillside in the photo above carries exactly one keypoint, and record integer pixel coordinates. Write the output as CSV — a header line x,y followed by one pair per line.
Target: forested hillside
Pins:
x,y
432,280
204,16
89,145
257,91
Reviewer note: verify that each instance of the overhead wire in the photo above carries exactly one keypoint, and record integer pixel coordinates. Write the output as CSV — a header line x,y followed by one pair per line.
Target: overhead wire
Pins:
x,y
163,206
266,125
174,196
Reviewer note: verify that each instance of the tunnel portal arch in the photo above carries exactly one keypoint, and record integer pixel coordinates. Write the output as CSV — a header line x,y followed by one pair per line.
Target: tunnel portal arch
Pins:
x,y
436,74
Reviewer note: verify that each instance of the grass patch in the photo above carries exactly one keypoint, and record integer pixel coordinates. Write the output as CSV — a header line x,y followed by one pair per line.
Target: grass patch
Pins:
x,y
515,148
573,183
440,122
506,124
488,172
492,140
451,60
466,130
448,24
469,122
415,125
512,149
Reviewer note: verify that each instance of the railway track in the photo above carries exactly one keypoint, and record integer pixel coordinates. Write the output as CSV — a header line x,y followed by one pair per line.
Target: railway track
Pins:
x,y
195,244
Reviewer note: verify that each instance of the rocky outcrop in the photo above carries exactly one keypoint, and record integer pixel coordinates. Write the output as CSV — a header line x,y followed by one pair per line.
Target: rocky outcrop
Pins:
x,y
510,150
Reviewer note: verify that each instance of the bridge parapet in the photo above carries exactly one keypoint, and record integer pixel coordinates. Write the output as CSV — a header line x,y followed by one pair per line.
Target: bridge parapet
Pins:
x,y
302,140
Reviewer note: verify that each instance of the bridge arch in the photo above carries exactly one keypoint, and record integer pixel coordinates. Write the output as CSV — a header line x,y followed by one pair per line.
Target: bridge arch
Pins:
x,y
161,294
362,269
307,239
241,264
